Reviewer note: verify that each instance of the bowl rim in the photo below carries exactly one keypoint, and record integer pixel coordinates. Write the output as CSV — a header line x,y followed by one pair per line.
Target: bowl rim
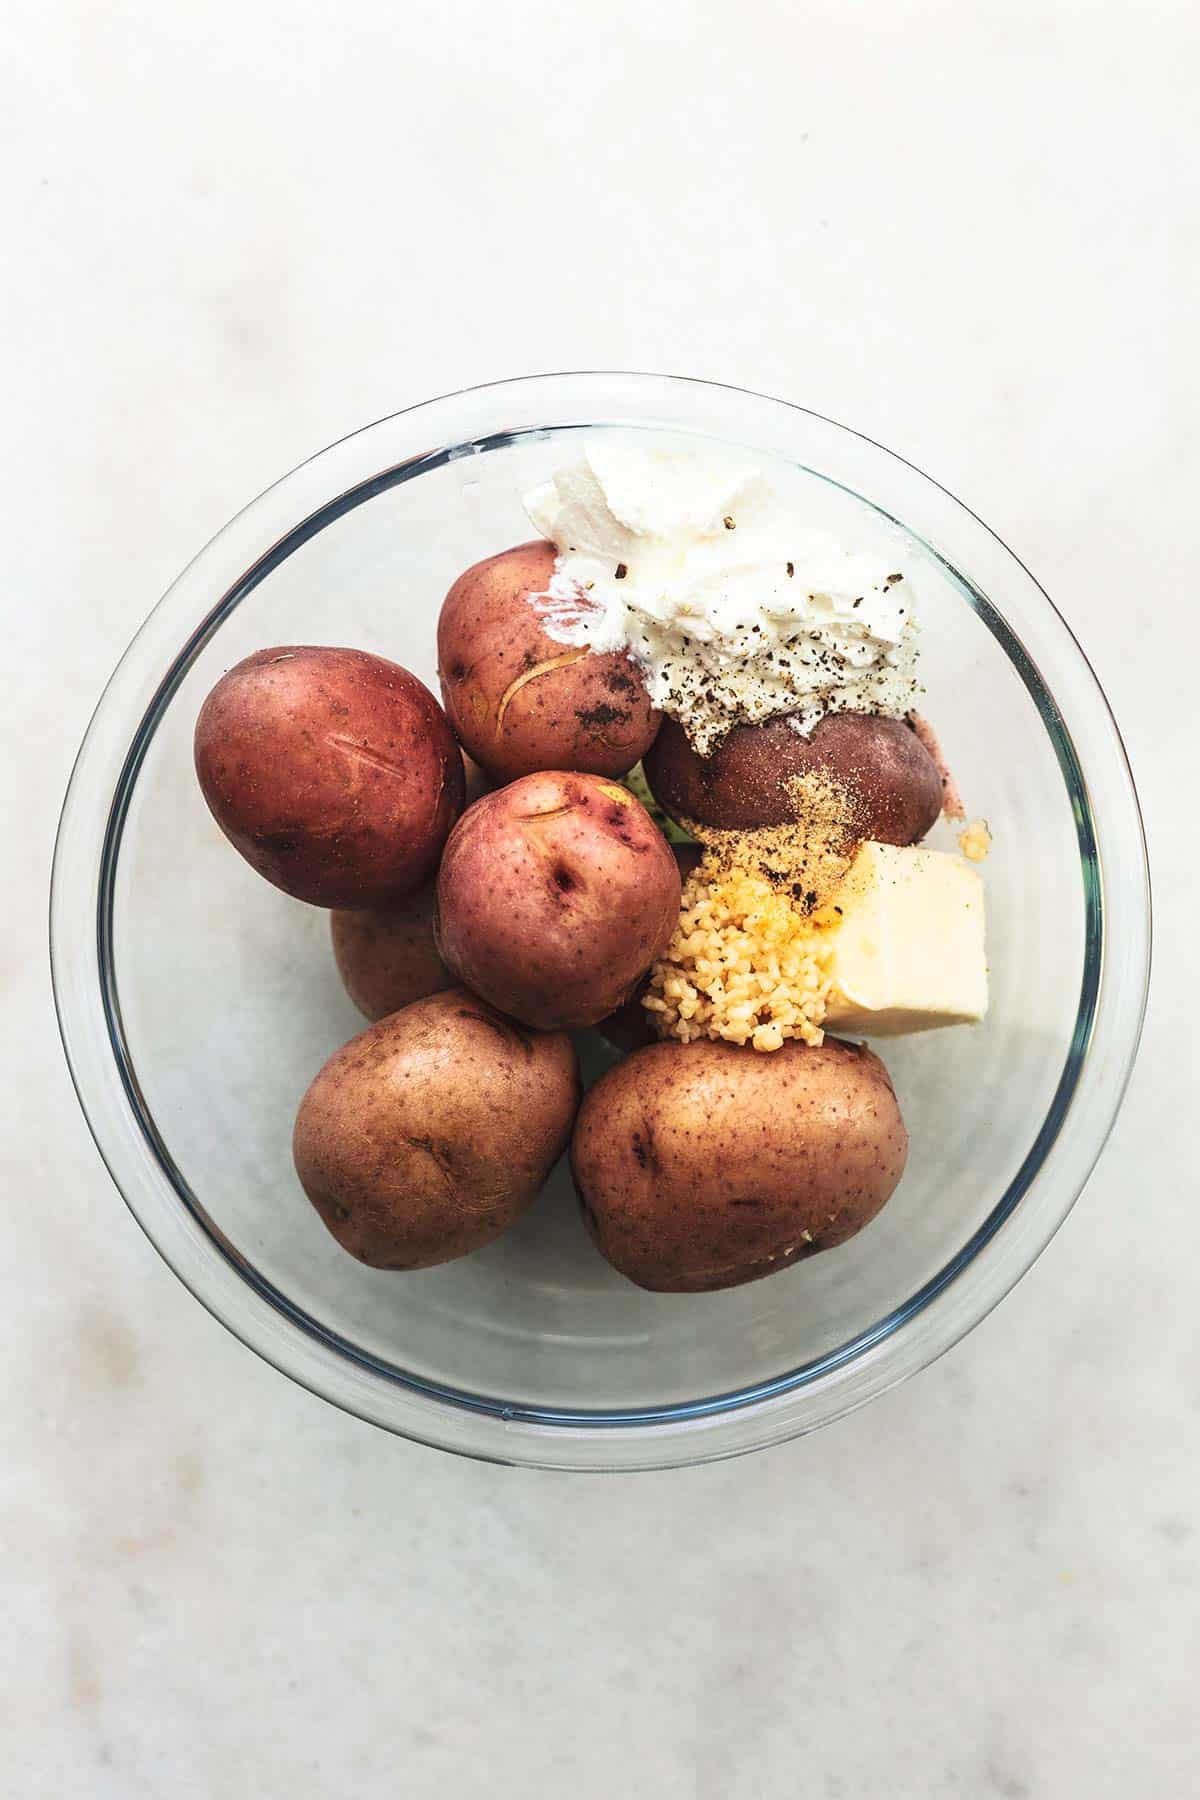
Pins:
x,y
1095,1072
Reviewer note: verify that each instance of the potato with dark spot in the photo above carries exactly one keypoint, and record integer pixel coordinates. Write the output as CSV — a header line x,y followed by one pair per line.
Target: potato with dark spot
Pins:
x,y
333,771
706,1165
427,1135
892,783
555,895
387,957
518,699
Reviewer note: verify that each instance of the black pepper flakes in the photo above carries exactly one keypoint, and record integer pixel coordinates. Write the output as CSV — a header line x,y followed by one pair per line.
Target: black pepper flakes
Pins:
x,y
622,571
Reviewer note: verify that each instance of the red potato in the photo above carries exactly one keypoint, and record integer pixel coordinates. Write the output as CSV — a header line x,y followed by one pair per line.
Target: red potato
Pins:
x,y
432,1131
705,1165
891,779
519,700
555,895
333,771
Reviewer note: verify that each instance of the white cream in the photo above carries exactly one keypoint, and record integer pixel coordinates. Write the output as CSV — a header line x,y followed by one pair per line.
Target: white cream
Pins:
x,y
734,613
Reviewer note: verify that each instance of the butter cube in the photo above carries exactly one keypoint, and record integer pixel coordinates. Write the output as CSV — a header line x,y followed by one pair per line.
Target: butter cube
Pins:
x,y
907,953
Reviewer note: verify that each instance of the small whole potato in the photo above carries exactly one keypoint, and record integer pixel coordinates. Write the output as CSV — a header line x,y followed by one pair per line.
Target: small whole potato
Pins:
x,y
518,699
428,1134
388,957
555,895
333,771
894,783
706,1165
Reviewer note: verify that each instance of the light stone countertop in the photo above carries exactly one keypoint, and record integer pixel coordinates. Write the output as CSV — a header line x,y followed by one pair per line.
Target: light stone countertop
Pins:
x,y
236,232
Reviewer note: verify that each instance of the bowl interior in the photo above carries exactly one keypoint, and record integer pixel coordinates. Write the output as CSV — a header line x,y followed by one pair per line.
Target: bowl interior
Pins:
x,y
225,1000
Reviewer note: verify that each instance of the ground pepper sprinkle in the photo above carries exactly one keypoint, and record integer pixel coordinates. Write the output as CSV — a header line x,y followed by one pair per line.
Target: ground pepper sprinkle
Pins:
x,y
811,853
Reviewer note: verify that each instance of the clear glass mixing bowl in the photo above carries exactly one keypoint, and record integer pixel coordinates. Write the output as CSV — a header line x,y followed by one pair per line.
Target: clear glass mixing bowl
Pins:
x,y
196,1002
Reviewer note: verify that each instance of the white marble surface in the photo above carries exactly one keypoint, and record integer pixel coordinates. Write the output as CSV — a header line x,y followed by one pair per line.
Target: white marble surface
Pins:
x,y
237,231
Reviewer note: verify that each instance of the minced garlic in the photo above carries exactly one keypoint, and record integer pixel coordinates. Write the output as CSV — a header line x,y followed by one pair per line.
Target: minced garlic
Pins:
x,y
745,964
975,841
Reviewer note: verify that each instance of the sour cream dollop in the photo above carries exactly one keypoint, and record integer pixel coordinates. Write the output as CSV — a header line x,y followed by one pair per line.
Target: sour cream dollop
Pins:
x,y
734,611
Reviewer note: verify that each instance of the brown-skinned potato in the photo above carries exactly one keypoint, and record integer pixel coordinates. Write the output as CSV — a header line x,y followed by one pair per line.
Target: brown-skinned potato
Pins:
x,y
333,771
706,1165
518,699
555,895
427,1135
894,783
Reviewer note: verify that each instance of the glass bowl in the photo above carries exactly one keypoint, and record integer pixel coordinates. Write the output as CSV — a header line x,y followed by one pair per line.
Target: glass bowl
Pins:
x,y
196,1002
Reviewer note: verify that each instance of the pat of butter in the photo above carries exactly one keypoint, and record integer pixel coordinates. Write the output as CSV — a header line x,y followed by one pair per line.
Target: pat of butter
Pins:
x,y
907,953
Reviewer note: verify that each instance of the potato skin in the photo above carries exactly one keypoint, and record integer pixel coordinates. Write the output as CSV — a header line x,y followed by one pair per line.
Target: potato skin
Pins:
x,y
555,895
387,957
705,1165
742,785
428,1134
333,771
587,711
